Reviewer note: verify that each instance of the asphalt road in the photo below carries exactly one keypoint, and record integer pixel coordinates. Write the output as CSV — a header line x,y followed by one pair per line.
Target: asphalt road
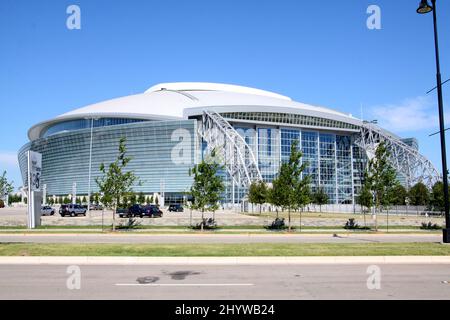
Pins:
x,y
216,238
225,282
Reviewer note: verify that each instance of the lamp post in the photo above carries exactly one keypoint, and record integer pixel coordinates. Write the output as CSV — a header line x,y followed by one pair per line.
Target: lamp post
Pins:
x,y
425,7
90,167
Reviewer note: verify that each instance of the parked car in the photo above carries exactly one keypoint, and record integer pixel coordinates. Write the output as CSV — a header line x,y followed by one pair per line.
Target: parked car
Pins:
x,y
135,210
122,212
176,208
96,207
47,211
152,211
73,210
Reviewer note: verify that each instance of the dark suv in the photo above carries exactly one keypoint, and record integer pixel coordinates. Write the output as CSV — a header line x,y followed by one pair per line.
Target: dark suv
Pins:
x,y
176,208
152,211
135,210
73,210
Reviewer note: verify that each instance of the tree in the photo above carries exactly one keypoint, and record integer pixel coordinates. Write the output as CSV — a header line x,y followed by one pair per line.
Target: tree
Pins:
x,y
6,187
320,197
133,198
304,196
257,193
437,197
151,199
365,199
66,200
289,187
157,201
115,182
125,201
419,195
84,200
381,178
141,198
207,186
399,195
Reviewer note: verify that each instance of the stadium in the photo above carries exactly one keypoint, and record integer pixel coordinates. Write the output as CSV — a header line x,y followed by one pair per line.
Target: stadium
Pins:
x,y
171,127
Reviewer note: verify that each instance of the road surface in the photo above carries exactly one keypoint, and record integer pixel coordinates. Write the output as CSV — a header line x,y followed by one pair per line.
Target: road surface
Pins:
x,y
225,282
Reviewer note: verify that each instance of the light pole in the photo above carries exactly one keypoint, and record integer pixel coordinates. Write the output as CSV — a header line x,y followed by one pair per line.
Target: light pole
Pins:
x,y
424,7
90,167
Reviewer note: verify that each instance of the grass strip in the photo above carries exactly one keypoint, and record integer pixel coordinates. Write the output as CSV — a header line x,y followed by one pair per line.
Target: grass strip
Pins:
x,y
225,250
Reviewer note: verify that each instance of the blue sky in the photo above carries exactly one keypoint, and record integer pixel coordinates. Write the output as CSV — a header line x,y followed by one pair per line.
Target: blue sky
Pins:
x,y
317,52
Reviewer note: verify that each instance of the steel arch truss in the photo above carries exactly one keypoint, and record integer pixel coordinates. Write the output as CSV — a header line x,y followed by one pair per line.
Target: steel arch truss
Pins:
x,y
237,156
405,159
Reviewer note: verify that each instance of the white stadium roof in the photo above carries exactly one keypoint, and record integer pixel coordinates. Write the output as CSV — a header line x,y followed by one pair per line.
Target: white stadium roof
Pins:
x,y
171,101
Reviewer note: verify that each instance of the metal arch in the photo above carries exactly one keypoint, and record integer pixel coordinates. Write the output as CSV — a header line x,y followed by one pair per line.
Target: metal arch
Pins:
x,y
237,155
405,159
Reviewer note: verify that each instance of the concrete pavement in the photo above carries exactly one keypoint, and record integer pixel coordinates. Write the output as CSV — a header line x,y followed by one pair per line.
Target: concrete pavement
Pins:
x,y
245,282
218,238
222,261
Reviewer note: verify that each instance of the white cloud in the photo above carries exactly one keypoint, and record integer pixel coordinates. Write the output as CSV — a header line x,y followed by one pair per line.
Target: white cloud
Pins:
x,y
420,113
8,159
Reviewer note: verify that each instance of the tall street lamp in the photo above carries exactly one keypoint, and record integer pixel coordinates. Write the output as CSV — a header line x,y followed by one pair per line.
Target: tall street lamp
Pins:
x,y
425,7
90,165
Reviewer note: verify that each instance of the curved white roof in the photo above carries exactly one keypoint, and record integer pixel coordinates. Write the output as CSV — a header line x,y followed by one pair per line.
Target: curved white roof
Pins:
x,y
173,101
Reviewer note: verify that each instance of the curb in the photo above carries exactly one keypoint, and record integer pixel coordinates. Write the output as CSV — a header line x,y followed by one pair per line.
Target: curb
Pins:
x,y
226,261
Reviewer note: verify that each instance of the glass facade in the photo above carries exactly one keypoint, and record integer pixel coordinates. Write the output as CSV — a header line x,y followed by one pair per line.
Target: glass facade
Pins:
x,y
72,125
162,153
334,162
289,118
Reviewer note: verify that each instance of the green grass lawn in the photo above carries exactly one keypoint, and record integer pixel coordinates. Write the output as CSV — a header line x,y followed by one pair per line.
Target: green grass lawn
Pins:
x,y
225,250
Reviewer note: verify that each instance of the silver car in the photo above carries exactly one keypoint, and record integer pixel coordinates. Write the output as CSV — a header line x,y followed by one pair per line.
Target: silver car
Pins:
x,y
47,211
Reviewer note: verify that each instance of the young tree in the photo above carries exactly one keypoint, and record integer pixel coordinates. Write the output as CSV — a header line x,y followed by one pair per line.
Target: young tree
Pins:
x,y
257,193
84,200
437,197
289,182
207,186
381,178
96,198
115,182
303,192
151,199
419,195
320,197
141,198
399,195
132,198
157,201
6,187
365,199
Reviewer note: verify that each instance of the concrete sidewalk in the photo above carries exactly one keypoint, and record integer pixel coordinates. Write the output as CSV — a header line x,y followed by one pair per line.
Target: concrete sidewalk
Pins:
x,y
225,261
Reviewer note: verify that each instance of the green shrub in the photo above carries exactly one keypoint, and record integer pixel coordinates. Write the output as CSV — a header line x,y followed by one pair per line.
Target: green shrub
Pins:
x,y
131,224
352,225
278,224
208,224
430,226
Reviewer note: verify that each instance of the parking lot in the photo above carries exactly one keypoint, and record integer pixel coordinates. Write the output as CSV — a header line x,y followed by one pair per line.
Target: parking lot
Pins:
x,y
17,217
